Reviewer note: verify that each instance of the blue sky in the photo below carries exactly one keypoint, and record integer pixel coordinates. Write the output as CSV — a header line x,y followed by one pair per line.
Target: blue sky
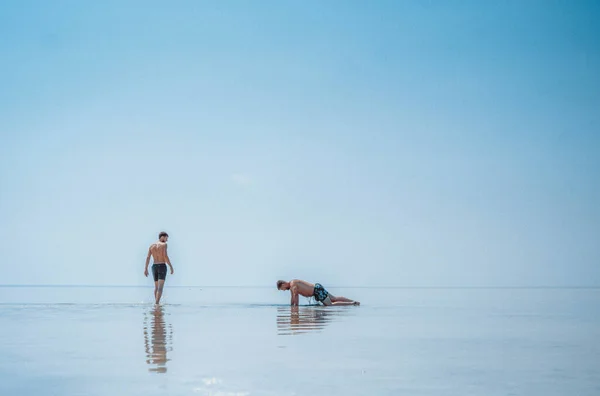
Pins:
x,y
351,143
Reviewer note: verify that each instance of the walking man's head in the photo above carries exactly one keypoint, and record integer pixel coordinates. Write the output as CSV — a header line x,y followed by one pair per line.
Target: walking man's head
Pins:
x,y
163,236
283,285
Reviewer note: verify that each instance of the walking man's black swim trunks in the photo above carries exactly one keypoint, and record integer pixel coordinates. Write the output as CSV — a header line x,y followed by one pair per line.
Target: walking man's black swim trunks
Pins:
x,y
159,271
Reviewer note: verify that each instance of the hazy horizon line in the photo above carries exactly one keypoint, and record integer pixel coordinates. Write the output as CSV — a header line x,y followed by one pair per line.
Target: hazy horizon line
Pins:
x,y
330,286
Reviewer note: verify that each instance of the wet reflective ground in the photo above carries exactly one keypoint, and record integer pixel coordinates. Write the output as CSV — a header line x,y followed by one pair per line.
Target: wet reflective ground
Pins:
x,y
211,341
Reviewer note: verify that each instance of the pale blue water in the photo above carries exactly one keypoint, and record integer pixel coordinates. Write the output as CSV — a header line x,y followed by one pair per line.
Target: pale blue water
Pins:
x,y
228,341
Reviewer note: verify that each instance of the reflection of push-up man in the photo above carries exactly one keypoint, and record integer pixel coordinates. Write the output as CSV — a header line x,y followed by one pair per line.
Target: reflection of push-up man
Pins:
x,y
297,320
303,288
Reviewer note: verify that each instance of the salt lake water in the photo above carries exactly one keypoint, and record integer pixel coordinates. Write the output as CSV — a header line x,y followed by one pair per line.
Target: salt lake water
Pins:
x,y
249,341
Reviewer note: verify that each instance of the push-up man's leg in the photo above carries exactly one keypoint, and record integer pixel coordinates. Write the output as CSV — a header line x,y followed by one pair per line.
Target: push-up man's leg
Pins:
x,y
333,300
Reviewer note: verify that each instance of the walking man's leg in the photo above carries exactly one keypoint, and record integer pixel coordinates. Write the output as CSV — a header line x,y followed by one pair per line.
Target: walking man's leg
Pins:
x,y
159,290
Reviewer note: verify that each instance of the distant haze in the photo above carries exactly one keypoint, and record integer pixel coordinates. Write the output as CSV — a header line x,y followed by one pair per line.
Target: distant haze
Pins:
x,y
349,143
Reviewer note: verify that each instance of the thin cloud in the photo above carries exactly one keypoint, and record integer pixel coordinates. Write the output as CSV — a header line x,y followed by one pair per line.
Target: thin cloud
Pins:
x,y
241,179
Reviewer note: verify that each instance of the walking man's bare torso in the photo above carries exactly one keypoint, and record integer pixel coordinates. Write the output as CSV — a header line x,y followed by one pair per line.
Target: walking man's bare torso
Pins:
x,y
158,250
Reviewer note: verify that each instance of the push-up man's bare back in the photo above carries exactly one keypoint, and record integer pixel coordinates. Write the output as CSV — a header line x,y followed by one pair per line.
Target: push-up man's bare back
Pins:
x,y
303,288
158,252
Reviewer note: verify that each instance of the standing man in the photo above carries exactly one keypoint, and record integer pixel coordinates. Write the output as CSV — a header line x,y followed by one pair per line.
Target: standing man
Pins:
x,y
158,251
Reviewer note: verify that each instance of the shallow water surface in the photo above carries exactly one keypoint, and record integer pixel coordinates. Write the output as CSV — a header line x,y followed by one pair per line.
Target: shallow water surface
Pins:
x,y
248,341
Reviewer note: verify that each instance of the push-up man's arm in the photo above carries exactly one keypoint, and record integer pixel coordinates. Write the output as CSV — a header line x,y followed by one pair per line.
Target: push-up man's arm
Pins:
x,y
294,292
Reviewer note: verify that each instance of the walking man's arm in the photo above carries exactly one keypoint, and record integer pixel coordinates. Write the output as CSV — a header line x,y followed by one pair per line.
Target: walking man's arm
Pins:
x,y
167,258
147,263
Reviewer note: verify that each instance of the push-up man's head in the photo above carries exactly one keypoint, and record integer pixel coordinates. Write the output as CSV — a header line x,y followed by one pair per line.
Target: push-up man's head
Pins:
x,y
283,285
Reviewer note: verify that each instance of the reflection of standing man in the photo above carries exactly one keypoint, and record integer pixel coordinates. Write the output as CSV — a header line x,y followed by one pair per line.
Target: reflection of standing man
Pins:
x,y
155,340
158,251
